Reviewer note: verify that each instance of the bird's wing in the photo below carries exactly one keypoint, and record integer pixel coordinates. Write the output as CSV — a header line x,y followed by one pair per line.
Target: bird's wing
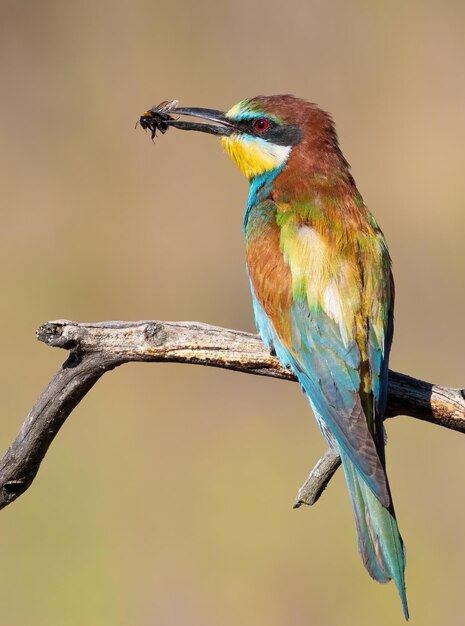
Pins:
x,y
380,329
336,351
328,371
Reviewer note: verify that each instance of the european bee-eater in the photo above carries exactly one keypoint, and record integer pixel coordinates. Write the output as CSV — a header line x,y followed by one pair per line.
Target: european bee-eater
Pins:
x,y
322,290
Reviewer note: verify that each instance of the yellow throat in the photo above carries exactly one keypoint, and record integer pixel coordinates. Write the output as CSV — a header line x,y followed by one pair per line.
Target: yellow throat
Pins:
x,y
253,155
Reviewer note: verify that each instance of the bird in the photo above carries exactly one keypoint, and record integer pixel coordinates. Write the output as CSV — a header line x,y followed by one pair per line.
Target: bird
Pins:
x,y
322,290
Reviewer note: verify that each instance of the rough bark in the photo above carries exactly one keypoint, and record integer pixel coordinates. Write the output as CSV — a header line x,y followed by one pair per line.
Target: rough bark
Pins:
x,y
99,347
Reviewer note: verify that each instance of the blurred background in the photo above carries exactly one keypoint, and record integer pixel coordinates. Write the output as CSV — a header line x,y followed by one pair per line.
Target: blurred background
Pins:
x,y
167,498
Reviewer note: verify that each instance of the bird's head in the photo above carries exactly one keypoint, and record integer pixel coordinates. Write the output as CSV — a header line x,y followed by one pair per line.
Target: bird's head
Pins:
x,y
262,133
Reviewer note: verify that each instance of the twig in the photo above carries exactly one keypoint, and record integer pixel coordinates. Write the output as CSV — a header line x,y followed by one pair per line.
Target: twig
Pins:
x,y
318,479
100,347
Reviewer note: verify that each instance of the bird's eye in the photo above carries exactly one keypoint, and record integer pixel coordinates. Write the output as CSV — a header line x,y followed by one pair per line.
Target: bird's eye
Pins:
x,y
261,125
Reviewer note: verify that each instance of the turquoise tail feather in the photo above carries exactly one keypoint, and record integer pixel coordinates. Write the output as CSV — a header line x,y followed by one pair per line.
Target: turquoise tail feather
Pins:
x,y
379,541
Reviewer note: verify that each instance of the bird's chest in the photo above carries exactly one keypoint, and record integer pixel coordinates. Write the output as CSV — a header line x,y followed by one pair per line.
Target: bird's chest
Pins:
x,y
290,264
270,274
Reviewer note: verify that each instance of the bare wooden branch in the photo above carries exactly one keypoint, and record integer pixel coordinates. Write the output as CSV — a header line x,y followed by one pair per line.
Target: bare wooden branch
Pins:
x,y
318,479
99,347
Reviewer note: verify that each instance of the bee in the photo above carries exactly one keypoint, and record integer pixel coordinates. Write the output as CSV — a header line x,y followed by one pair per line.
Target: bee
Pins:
x,y
155,118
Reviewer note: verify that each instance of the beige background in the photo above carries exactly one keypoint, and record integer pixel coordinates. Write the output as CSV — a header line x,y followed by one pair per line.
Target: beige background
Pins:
x,y
167,497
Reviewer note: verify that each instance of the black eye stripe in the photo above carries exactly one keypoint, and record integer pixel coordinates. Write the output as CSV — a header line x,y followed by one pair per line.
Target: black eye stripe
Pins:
x,y
247,126
280,134
284,135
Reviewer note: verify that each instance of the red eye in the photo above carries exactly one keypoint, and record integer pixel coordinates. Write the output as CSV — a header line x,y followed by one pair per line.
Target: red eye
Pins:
x,y
261,125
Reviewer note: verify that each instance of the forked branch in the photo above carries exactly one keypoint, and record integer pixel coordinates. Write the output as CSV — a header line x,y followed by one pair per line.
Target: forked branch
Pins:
x,y
97,348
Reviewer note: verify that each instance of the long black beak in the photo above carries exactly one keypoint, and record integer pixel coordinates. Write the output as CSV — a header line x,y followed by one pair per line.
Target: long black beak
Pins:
x,y
160,118
221,127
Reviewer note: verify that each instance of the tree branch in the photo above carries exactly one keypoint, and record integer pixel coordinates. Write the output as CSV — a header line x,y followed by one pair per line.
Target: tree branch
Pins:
x,y
100,347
